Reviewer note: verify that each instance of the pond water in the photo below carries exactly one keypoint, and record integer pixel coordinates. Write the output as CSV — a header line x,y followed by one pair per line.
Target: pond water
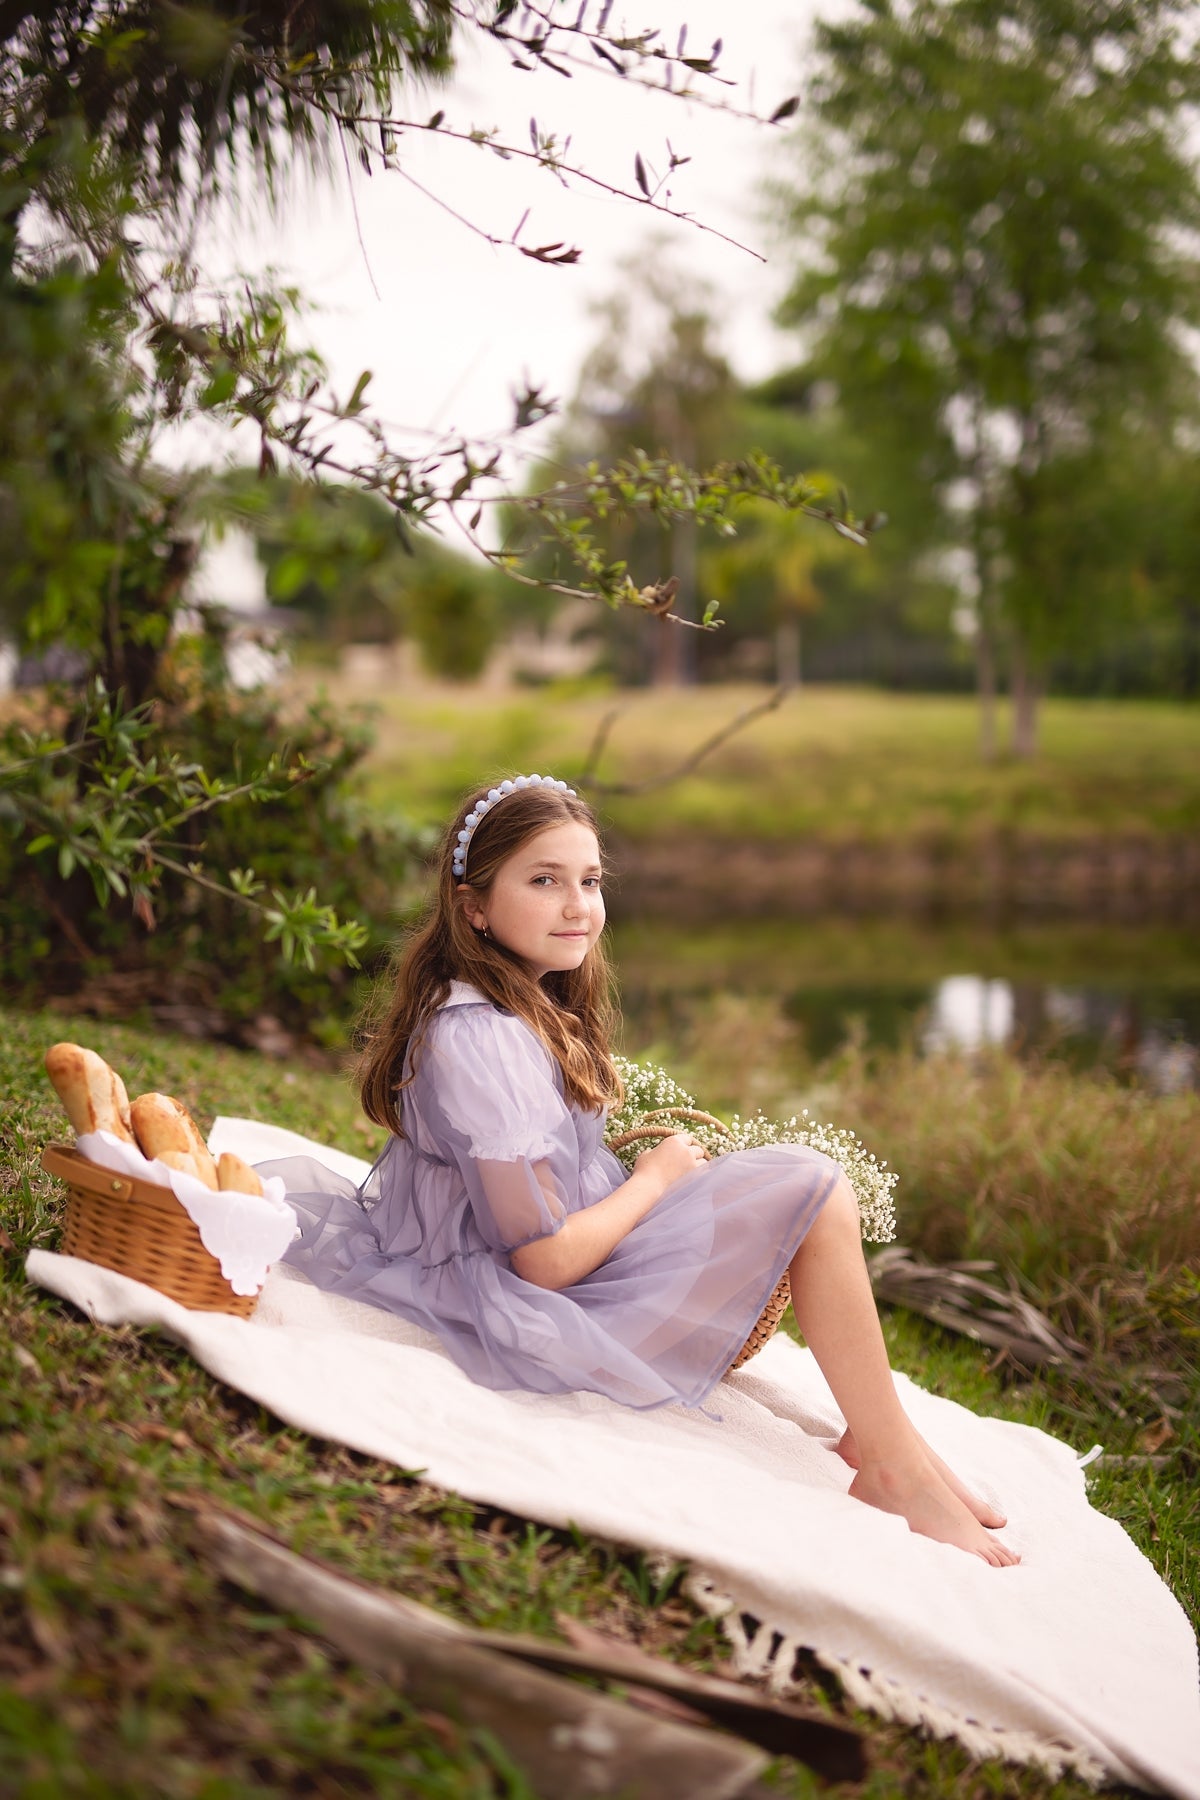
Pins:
x,y
1127,1000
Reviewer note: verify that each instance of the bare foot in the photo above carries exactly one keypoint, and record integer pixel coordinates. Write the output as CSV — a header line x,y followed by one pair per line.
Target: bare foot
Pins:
x,y
915,1490
987,1515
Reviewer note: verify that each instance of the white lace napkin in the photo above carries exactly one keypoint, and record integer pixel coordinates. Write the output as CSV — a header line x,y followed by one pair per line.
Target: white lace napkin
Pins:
x,y
245,1232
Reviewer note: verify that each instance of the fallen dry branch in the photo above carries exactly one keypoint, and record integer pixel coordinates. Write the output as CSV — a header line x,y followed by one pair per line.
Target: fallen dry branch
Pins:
x,y
956,1295
571,1740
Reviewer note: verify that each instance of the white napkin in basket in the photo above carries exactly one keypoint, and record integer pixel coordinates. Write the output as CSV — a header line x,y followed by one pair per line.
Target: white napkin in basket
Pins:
x,y
245,1232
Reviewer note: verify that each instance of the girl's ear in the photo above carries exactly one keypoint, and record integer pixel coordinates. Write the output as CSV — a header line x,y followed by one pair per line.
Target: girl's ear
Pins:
x,y
468,899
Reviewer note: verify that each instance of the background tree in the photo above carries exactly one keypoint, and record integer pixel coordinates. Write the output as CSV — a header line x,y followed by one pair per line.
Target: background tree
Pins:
x,y
658,377
884,618
995,233
117,126
656,381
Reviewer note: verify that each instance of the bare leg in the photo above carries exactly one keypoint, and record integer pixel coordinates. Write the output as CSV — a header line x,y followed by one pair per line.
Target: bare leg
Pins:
x,y
835,1308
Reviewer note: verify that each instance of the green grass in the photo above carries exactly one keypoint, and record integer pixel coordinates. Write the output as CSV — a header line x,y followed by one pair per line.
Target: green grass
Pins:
x,y
128,1670
836,763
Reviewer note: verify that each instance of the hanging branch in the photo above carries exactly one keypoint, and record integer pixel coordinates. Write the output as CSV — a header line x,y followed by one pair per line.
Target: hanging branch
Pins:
x,y
238,367
544,152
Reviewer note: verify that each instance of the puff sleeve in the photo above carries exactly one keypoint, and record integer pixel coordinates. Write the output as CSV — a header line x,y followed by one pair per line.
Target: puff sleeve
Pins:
x,y
490,1096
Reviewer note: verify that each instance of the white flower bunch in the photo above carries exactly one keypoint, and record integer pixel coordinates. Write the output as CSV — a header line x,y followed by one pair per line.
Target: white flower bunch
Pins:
x,y
650,1090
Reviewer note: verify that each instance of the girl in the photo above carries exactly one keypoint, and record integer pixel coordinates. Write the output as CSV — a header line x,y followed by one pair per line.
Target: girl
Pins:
x,y
496,1218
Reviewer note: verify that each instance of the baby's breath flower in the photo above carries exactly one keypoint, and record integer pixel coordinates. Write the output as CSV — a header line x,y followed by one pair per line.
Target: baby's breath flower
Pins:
x,y
650,1089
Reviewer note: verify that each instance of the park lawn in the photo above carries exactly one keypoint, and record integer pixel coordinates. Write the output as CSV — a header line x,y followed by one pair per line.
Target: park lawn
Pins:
x,y
840,763
127,1668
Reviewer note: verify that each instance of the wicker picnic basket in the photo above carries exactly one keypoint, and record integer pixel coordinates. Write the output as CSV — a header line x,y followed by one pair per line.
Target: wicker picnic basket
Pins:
x,y
664,1122
138,1228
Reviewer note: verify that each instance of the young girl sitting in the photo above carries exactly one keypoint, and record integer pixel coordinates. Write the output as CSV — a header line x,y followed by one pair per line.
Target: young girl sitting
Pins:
x,y
496,1218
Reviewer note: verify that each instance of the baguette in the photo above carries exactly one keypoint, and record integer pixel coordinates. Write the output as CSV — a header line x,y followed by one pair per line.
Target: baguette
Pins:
x,y
161,1123
182,1161
236,1176
92,1093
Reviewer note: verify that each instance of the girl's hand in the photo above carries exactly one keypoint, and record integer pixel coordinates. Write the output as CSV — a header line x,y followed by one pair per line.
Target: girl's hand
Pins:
x,y
673,1158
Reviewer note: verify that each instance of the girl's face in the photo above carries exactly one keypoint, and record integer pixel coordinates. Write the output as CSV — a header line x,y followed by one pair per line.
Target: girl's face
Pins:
x,y
545,904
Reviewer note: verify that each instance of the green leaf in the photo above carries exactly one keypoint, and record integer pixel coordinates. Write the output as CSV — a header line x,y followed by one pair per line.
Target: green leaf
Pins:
x,y
219,389
355,402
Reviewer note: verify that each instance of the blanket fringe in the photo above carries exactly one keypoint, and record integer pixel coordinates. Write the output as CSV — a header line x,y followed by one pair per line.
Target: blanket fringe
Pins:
x,y
766,1652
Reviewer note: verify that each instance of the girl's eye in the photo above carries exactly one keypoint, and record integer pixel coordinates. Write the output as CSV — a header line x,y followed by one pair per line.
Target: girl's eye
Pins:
x,y
591,881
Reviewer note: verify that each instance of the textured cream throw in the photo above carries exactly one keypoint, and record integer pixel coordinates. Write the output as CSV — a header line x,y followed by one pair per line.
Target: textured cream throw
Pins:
x,y
1078,1658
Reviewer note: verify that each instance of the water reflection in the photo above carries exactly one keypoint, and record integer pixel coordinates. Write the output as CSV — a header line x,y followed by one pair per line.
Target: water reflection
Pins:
x,y
968,1011
1126,1001
1156,1038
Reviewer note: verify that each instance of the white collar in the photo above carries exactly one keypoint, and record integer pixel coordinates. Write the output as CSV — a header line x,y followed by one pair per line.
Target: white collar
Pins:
x,y
463,994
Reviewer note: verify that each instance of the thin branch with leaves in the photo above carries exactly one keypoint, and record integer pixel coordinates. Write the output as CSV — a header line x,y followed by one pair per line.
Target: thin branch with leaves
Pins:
x,y
116,819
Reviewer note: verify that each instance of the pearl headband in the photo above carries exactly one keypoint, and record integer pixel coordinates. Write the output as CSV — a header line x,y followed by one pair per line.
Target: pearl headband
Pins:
x,y
494,797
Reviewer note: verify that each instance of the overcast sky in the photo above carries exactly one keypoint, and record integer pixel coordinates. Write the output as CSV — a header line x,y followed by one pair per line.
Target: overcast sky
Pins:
x,y
448,323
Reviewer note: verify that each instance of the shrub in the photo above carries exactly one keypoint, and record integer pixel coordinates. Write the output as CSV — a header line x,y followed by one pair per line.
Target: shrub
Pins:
x,y
192,954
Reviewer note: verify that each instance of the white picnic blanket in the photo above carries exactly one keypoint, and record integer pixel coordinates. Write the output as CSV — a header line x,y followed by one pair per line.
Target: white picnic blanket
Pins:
x,y
1078,1658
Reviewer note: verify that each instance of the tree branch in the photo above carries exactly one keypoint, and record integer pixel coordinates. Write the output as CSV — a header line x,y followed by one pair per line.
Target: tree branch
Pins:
x,y
591,761
544,157
690,762
504,1681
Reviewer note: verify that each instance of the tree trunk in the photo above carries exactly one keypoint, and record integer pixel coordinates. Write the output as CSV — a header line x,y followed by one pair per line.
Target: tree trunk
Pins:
x,y
667,671
1026,692
985,686
138,618
985,614
675,657
787,652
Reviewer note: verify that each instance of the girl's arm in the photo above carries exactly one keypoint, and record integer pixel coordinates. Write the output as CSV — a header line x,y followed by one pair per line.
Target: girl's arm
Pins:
x,y
588,1237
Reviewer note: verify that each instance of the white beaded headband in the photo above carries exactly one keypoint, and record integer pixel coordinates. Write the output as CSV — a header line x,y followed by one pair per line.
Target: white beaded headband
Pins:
x,y
493,798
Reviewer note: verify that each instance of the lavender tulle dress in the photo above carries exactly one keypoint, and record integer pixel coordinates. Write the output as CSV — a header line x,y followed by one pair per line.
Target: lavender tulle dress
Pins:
x,y
430,1232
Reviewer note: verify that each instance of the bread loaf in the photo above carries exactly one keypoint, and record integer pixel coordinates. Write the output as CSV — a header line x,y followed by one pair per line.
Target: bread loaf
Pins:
x,y
161,1123
93,1093
236,1176
183,1162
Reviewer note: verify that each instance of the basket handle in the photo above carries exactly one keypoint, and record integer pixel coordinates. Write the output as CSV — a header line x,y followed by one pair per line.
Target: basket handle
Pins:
x,y
638,1133
649,1128
688,1112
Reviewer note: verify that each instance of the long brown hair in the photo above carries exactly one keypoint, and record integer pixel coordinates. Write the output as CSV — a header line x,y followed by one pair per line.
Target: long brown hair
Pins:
x,y
571,1010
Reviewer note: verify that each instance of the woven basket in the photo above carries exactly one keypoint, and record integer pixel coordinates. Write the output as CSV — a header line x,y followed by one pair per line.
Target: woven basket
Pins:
x,y
139,1229
663,1123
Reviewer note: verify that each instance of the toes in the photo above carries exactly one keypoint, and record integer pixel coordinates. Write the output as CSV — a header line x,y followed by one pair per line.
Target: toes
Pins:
x,y
1000,1556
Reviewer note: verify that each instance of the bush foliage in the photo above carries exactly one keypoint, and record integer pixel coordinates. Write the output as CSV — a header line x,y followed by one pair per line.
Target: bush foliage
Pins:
x,y
184,940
